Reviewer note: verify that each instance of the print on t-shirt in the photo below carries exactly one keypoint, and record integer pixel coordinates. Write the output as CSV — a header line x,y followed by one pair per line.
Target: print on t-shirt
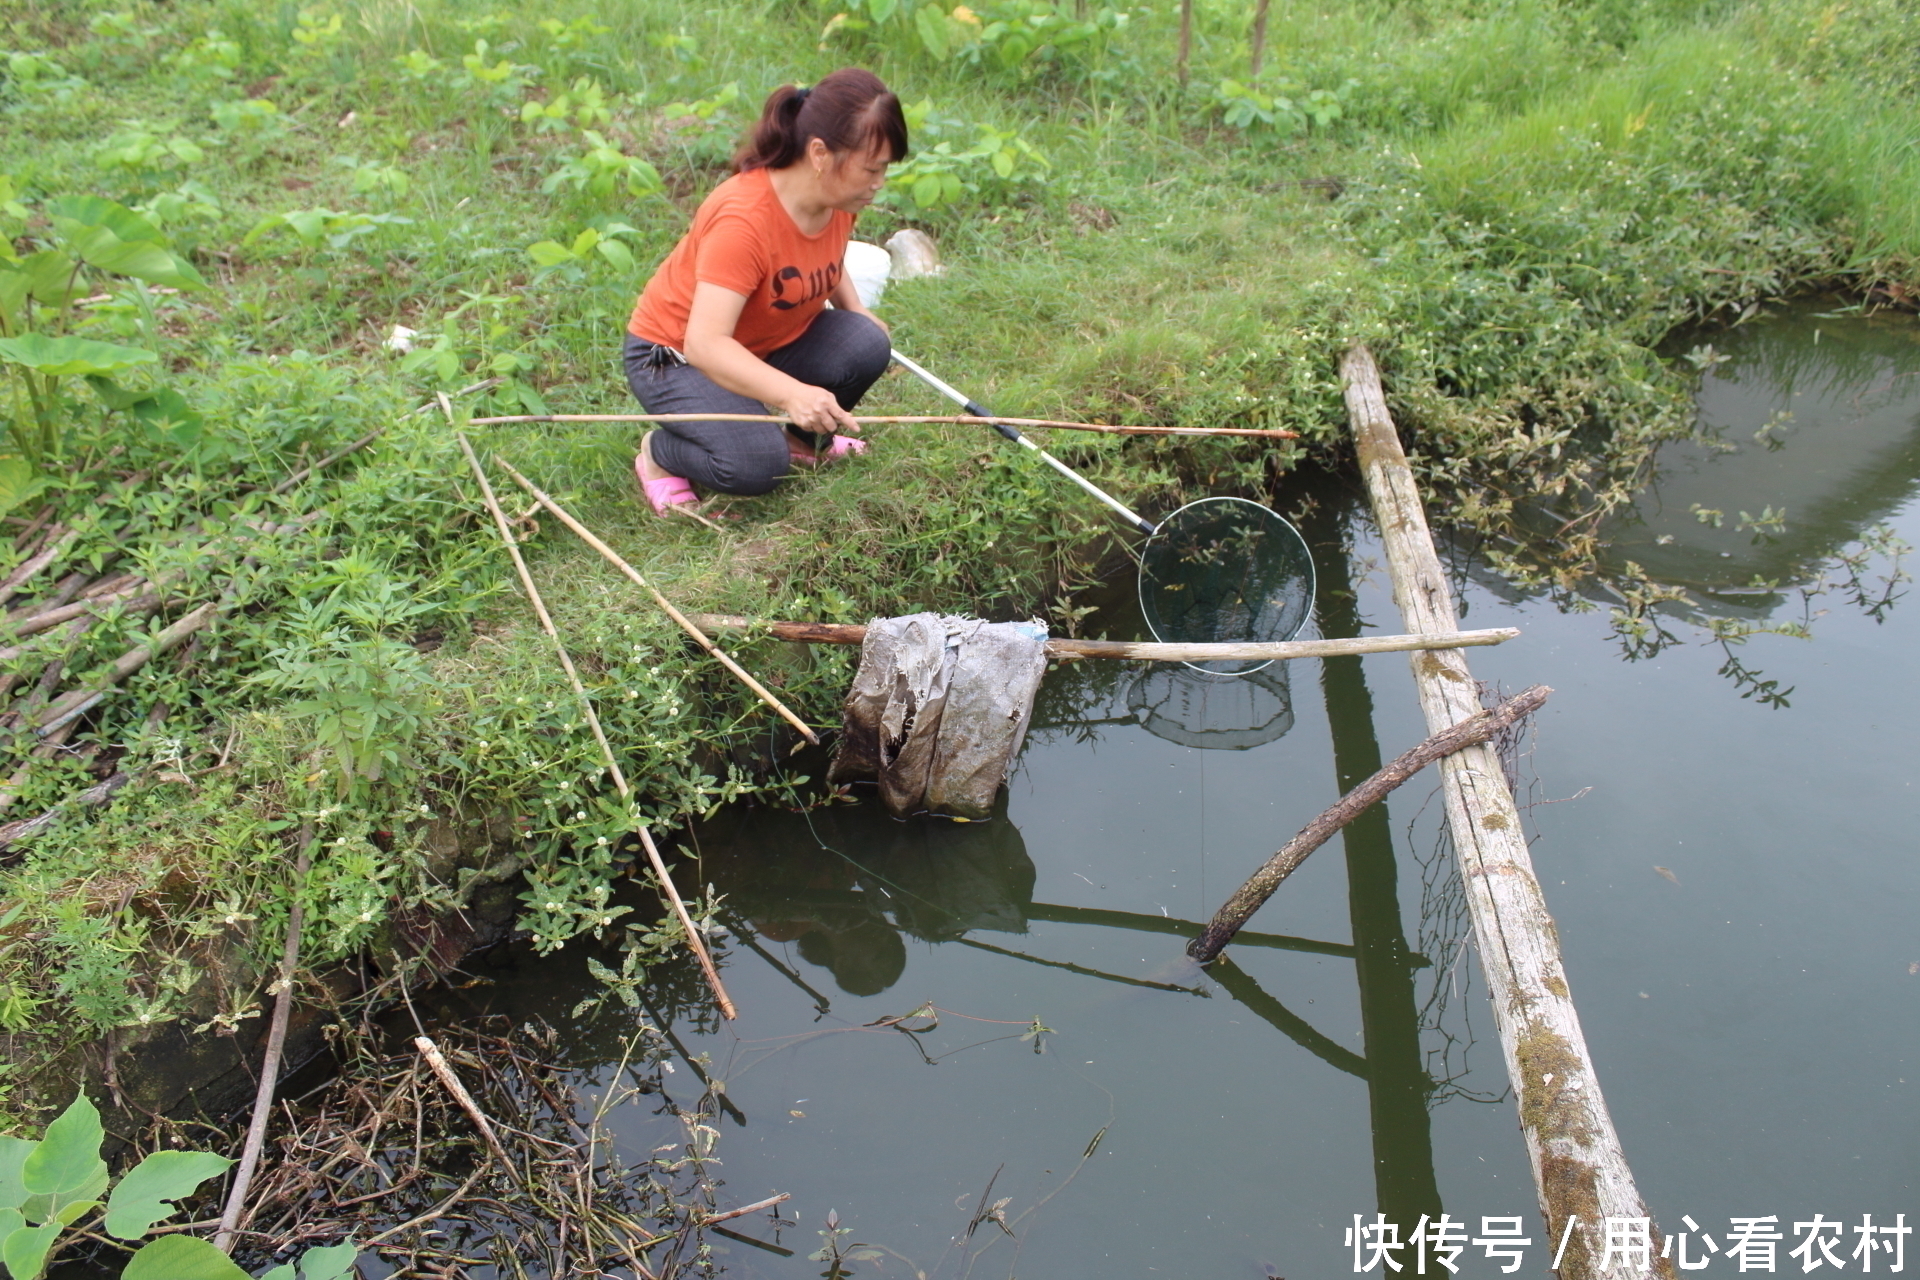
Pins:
x,y
819,283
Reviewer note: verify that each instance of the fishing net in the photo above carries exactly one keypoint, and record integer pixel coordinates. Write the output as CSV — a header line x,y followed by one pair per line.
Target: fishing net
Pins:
x,y
938,710
1225,571
1211,711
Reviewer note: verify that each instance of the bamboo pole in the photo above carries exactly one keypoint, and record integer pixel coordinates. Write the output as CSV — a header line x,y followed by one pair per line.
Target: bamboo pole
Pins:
x,y
667,887
1260,886
685,624
1071,650
1254,433
1578,1166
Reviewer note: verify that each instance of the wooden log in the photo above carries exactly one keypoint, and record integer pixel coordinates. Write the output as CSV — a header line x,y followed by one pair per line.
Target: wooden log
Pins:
x,y
1578,1166
1070,650
1260,886
1253,433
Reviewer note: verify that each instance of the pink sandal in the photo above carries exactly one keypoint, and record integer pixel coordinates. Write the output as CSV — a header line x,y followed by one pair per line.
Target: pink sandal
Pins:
x,y
665,494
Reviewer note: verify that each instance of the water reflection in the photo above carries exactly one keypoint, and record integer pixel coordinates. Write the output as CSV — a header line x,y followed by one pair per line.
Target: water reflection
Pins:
x,y
1173,701
1195,708
844,882
1813,422
847,884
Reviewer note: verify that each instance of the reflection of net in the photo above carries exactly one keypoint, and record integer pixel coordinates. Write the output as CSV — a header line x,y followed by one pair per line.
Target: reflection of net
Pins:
x,y
1222,571
1197,708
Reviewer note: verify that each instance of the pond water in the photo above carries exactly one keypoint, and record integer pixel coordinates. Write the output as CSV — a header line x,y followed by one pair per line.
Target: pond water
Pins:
x,y
1726,833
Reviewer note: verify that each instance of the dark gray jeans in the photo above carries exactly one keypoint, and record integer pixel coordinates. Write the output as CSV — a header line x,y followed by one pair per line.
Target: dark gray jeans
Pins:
x,y
841,351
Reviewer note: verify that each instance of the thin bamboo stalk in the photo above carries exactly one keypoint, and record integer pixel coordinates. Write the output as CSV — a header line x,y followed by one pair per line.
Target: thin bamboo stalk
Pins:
x,y
294,480
1070,650
14,832
52,547
708,1220
1579,1168
1254,433
443,1072
270,1066
667,887
66,589
131,661
685,624
64,613
1182,58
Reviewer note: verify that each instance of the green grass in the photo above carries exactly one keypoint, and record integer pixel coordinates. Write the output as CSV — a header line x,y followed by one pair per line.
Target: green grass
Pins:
x,y
1533,195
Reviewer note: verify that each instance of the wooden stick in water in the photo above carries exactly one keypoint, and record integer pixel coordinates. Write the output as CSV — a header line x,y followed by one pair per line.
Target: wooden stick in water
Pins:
x,y
709,1219
685,623
694,943
1260,886
1069,650
1255,433
443,1072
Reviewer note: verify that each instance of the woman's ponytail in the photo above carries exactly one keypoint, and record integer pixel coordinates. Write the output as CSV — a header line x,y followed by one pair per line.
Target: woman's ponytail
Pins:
x,y
850,110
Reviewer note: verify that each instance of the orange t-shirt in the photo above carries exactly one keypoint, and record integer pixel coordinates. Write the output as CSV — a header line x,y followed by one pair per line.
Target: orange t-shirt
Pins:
x,y
744,239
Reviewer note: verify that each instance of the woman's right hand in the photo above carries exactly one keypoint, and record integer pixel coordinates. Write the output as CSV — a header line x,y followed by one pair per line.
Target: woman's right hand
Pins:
x,y
815,409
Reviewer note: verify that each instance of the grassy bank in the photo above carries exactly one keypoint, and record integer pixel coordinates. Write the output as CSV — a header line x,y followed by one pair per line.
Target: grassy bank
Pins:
x,y
1512,202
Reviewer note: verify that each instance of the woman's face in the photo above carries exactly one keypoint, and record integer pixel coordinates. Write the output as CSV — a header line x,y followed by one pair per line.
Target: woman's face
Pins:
x,y
851,179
